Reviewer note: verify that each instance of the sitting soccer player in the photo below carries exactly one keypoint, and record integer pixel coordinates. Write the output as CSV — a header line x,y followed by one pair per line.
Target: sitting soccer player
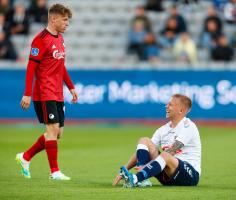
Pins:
x,y
172,155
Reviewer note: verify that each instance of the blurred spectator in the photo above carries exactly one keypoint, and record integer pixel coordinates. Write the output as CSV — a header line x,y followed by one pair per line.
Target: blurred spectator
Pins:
x,y
154,5
233,40
38,11
212,16
136,40
169,33
230,12
140,15
209,36
152,50
4,6
7,50
181,24
185,49
222,51
4,27
219,4
186,1
18,19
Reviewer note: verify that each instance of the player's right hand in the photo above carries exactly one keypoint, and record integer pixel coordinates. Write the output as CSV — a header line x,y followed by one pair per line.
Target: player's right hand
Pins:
x,y
117,180
25,102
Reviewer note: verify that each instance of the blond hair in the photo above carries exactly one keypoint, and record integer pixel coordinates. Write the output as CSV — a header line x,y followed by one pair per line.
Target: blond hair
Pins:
x,y
184,100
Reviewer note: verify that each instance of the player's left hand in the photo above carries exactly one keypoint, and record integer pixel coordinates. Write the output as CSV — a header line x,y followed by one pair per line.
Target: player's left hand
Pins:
x,y
74,96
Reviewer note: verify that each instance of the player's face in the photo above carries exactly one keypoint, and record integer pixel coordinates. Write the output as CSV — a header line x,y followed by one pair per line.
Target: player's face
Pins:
x,y
61,23
173,108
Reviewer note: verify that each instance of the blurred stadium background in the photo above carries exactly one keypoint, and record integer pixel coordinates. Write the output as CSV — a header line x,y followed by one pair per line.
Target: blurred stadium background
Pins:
x,y
117,84
117,81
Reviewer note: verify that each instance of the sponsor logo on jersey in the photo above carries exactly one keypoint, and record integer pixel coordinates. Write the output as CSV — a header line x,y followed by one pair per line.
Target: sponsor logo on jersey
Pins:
x,y
58,55
34,51
51,116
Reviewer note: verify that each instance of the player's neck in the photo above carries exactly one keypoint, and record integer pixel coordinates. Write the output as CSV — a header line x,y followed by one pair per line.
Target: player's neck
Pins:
x,y
174,122
52,30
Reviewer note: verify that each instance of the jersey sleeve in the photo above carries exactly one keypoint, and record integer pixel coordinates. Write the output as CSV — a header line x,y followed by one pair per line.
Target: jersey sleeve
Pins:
x,y
29,77
67,79
36,53
37,50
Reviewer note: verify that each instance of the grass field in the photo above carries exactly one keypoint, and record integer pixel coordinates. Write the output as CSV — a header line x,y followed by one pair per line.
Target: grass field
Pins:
x,y
92,155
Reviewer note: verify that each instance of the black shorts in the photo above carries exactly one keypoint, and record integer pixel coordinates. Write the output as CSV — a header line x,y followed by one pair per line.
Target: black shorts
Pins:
x,y
185,175
50,112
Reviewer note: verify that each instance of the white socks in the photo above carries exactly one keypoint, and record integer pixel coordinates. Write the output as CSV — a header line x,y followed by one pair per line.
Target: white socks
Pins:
x,y
161,162
142,146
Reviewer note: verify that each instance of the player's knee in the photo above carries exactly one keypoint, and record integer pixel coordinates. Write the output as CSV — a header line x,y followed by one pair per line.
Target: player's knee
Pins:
x,y
55,131
144,140
166,156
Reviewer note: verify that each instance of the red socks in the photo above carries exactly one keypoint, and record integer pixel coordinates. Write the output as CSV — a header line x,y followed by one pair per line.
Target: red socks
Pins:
x,y
38,146
51,149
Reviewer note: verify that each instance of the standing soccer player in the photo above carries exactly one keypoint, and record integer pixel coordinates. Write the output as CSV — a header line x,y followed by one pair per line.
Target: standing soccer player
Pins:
x,y
47,65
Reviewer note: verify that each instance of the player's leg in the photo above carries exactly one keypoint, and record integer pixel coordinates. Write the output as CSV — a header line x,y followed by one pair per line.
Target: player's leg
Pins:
x,y
54,130
51,147
154,168
184,175
23,159
146,151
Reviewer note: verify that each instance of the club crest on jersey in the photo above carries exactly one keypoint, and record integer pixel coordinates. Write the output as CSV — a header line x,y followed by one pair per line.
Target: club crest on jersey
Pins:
x,y
58,55
34,51
186,124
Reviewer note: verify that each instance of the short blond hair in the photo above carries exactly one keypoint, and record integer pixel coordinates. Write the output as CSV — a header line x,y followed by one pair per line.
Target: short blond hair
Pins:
x,y
60,9
184,100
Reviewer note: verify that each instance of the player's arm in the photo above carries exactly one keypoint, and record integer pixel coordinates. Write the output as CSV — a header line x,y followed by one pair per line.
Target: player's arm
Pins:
x,y
132,161
25,102
177,145
130,164
70,86
36,53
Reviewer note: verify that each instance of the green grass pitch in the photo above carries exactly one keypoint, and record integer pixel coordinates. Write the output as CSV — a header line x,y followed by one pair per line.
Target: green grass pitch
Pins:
x,y
92,155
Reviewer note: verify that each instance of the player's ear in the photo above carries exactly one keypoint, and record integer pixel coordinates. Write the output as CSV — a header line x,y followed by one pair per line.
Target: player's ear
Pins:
x,y
52,17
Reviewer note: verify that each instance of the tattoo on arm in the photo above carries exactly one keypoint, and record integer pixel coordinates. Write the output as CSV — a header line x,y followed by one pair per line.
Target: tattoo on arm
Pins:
x,y
175,147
